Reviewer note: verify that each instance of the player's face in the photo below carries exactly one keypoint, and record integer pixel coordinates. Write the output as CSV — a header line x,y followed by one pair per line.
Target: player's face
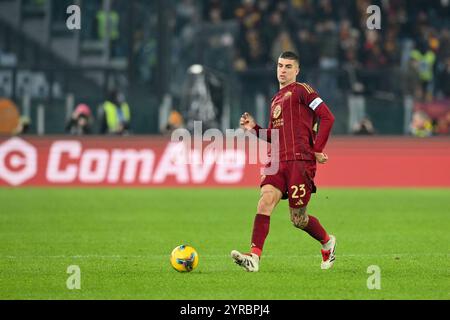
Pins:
x,y
287,71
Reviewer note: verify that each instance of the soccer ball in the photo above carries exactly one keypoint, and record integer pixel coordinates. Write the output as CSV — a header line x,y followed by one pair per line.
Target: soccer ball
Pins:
x,y
184,258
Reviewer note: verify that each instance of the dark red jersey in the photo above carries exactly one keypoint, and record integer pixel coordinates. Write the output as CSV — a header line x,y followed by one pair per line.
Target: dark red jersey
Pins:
x,y
295,111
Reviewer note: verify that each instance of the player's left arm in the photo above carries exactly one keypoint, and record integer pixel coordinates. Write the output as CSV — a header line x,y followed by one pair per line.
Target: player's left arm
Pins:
x,y
310,98
326,124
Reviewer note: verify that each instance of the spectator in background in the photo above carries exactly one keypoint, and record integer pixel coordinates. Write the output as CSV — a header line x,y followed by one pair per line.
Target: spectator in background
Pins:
x,y
272,27
328,41
425,59
115,115
174,122
421,125
373,55
443,77
443,67
365,127
301,14
24,125
255,51
442,126
283,42
307,48
108,26
80,123
411,84
391,49
328,46
444,45
239,62
348,39
248,15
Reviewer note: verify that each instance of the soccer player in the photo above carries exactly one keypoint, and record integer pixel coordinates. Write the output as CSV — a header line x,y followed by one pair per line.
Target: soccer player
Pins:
x,y
295,112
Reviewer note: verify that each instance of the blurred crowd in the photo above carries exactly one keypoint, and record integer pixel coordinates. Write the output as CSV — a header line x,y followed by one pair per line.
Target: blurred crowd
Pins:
x,y
329,34
408,56
113,117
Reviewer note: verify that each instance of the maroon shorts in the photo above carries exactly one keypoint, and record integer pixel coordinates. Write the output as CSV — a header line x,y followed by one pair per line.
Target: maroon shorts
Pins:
x,y
295,180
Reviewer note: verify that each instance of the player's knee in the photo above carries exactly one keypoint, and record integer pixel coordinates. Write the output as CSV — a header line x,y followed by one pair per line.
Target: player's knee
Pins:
x,y
267,202
299,217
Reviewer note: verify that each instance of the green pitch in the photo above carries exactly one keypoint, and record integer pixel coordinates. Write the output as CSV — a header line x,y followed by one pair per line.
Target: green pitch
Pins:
x,y
121,240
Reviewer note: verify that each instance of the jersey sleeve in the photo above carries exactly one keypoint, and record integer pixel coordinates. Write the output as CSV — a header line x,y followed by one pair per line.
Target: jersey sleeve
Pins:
x,y
268,136
308,96
311,99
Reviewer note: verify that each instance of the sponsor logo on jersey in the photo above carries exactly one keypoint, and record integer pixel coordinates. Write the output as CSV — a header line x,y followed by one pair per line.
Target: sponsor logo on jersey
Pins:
x,y
276,111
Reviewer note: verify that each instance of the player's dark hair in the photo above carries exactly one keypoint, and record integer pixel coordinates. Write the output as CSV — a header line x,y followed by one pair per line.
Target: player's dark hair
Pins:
x,y
290,55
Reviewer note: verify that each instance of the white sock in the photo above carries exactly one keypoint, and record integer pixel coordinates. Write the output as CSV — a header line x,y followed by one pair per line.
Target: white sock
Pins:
x,y
327,246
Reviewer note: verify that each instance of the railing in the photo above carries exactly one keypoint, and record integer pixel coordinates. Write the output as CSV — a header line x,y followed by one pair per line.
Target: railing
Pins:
x,y
47,96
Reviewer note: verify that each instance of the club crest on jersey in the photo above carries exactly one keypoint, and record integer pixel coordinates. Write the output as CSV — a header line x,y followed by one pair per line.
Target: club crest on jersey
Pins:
x,y
276,111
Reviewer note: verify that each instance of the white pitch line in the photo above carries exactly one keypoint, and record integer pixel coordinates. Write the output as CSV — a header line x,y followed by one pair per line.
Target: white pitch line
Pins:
x,y
393,255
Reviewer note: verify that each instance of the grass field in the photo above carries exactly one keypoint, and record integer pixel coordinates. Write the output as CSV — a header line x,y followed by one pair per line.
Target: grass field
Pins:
x,y
121,240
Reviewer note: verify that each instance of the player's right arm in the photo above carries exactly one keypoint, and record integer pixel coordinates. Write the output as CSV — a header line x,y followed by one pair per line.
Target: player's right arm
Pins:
x,y
247,122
